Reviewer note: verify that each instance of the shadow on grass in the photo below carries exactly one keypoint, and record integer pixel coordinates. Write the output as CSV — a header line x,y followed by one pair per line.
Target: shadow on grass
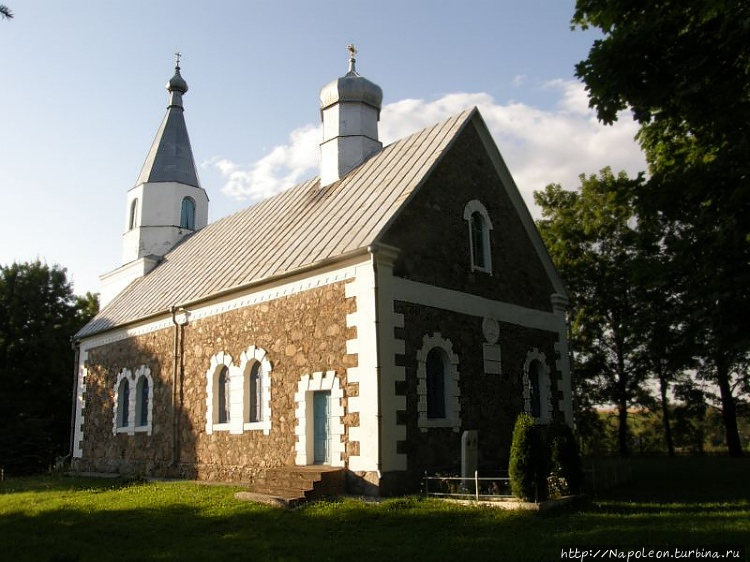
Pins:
x,y
85,519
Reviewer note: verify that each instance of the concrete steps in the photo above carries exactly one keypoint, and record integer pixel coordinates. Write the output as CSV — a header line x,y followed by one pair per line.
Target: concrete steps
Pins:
x,y
291,486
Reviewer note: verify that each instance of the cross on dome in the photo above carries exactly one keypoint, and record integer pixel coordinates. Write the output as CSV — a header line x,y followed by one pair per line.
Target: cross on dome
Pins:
x,y
352,52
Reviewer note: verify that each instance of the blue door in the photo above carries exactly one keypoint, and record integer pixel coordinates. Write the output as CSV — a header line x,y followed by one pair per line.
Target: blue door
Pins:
x,y
322,427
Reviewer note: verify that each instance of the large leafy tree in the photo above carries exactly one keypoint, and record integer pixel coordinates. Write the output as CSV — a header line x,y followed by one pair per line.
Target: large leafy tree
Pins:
x,y
38,315
592,235
683,70
5,12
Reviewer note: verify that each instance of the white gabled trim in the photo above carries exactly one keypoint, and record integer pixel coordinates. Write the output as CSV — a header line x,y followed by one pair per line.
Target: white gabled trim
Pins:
x,y
511,189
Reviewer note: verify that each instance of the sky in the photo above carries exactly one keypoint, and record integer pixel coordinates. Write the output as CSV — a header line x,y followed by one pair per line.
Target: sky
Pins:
x,y
82,95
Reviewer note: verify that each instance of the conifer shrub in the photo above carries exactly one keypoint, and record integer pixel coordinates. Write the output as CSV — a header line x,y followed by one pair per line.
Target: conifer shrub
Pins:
x,y
566,474
528,466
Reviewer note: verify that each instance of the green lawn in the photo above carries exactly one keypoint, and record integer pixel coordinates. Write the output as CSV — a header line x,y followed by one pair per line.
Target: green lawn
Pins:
x,y
683,501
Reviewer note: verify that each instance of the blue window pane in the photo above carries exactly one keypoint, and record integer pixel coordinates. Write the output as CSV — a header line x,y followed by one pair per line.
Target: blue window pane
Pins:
x,y
223,396
436,369
187,216
477,239
255,393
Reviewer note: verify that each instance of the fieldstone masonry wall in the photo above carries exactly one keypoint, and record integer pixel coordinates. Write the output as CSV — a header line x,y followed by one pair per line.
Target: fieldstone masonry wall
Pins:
x,y
301,334
489,402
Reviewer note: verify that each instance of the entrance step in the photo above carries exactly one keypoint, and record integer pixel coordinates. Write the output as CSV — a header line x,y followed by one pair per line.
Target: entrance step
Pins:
x,y
291,486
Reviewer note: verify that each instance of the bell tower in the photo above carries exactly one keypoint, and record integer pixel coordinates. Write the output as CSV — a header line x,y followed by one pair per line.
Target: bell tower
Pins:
x,y
350,111
167,202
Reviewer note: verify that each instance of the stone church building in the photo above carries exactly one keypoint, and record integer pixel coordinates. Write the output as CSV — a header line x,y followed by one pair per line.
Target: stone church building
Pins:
x,y
363,319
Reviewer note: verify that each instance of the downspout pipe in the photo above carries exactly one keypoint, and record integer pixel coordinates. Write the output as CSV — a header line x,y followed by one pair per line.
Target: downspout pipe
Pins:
x,y
175,372
76,346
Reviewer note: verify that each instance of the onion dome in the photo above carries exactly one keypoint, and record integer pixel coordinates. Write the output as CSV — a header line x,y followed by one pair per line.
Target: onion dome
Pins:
x,y
352,87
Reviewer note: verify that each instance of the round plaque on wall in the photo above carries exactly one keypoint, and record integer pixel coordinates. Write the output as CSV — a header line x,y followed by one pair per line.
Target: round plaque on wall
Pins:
x,y
491,330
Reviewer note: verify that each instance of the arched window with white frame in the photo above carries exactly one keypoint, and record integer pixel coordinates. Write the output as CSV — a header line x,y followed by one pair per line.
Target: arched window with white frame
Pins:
x,y
537,387
144,400
223,396
123,416
256,375
480,225
438,390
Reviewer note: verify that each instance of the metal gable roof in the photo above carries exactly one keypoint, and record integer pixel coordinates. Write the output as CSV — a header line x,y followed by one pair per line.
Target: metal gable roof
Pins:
x,y
291,231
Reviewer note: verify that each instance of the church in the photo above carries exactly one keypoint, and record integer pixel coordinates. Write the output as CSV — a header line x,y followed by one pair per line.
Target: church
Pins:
x,y
363,320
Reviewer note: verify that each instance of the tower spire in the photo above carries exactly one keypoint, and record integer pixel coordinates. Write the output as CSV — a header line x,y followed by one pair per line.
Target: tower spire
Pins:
x,y
171,157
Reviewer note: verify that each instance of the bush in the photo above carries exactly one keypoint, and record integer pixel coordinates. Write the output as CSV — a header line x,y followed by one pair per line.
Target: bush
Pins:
x,y
565,460
528,460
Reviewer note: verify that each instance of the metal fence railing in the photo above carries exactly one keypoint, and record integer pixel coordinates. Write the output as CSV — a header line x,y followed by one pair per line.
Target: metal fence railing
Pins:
x,y
476,487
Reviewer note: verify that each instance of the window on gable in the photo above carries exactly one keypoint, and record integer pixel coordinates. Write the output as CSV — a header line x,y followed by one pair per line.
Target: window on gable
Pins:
x,y
480,226
187,215
133,218
477,240
123,403
255,394
223,396
436,369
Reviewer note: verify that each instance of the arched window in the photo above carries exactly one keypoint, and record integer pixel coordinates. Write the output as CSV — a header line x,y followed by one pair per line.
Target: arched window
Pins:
x,y
438,391
133,219
238,397
255,394
436,369
123,403
479,236
223,396
537,387
141,402
477,240
535,399
187,216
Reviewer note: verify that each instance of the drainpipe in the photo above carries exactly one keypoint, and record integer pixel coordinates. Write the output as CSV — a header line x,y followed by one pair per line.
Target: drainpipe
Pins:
x,y
175,372
379,366
76,346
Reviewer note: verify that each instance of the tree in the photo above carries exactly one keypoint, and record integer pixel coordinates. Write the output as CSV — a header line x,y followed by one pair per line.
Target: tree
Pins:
x,y
38,316
592,237
528,466
683,69
5,12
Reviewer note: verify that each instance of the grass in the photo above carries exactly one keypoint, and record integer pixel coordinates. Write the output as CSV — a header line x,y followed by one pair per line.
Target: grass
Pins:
x,y
682,501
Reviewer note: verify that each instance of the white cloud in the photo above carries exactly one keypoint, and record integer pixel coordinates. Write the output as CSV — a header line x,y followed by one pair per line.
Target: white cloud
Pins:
x,y
539,146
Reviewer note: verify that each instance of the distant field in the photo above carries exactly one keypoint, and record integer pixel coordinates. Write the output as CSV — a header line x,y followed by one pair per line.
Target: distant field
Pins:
x,y
672,502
